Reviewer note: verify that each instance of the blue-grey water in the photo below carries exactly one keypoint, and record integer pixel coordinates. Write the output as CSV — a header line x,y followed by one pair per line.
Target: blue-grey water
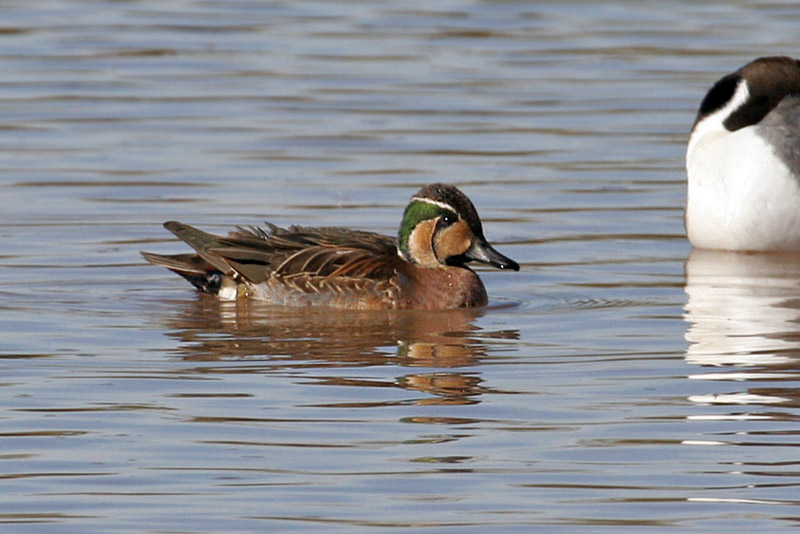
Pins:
x,y
619,383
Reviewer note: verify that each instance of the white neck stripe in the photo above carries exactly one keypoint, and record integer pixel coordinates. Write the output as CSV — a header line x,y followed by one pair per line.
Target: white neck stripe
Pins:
x,y
713,124
739,97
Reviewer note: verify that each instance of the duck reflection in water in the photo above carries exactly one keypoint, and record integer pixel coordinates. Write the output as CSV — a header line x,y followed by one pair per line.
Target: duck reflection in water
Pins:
x,y
743,311
211,330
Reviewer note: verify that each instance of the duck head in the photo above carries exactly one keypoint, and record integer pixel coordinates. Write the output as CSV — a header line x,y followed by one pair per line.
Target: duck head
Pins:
x,y
442,228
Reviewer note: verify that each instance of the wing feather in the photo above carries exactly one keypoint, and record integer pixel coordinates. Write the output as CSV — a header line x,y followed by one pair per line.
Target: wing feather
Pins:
x,y
311,254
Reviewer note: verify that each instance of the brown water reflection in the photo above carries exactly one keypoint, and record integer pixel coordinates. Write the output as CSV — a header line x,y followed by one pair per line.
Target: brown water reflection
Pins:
x,y
300,338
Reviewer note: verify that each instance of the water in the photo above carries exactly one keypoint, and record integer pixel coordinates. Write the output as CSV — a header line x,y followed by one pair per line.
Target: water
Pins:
x,y
617,383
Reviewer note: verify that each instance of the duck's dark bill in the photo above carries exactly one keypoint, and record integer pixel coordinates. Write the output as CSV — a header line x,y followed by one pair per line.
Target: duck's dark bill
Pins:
x,y
483,252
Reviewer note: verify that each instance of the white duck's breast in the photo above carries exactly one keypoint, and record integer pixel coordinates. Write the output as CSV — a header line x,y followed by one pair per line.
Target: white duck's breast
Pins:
x,y
741,195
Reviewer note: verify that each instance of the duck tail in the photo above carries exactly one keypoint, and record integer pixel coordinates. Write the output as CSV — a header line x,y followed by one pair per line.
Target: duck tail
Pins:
x,y
201,274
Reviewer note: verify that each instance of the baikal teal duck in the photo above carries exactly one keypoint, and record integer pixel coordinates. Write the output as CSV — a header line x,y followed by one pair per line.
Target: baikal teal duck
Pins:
x,y
424,268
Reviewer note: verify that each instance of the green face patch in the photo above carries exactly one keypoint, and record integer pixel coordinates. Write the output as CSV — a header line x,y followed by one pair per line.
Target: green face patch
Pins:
x,y
415,213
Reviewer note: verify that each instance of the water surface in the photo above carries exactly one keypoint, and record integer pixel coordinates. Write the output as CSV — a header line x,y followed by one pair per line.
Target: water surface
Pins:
x,y
619,382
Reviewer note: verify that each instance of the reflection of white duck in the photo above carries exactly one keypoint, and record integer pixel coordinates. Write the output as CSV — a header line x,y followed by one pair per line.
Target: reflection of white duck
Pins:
x,y
743,160
743,309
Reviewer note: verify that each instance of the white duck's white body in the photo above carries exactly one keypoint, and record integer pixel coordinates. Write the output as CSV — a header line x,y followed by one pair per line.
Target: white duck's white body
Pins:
x,y
742,163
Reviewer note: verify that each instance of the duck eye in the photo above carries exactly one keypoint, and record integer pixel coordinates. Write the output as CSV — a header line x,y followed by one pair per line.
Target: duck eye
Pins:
x,y
447,219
